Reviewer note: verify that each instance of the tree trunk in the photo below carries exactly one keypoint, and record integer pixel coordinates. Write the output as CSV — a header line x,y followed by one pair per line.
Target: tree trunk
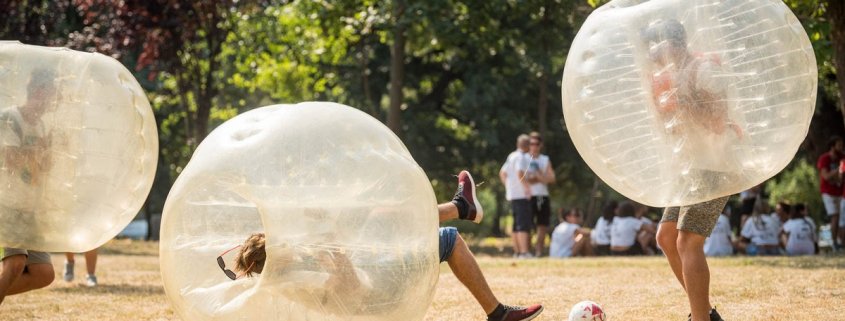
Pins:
x,y
543,103
501,205
397,69
836,13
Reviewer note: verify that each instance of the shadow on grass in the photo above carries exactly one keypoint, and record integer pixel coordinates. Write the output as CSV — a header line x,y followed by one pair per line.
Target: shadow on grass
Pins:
x,y
119,289
129,247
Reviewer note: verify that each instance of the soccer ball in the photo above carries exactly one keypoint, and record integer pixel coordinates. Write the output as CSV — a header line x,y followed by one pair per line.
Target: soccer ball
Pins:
x,y
587,311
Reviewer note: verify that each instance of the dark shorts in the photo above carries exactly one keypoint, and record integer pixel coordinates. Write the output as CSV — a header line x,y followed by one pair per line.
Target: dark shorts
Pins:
x,y
697,218
541,209
602,250
448,238
523,216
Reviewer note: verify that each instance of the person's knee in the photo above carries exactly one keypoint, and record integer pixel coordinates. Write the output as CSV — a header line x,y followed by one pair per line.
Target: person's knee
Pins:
x,y
666,239
689,242
42,275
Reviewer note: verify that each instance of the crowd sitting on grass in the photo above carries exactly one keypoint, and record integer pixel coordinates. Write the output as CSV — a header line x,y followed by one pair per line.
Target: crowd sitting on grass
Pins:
x,y
628,229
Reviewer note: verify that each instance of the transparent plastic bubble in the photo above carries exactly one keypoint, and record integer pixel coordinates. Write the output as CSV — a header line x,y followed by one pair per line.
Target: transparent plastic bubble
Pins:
x,y
78,148
675,102
350,220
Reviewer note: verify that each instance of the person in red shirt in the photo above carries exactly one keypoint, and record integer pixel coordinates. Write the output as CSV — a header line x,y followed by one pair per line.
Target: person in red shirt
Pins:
x,y
830,183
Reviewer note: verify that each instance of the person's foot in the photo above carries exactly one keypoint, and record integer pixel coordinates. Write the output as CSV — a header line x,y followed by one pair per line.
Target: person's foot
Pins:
x,y
466,200
516,313
68,273
714,316
91,281
525,255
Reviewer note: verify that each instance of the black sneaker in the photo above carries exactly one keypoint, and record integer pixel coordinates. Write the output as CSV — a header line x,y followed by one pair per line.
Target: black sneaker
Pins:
x,y
517,313
714,316
465,195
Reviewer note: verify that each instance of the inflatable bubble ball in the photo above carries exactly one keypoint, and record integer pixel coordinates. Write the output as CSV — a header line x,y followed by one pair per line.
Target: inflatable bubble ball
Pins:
x,y
78,148
676,102
349,221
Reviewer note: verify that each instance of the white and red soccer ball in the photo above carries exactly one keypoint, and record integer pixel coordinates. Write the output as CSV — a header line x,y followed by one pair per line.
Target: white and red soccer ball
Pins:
x,y
587,311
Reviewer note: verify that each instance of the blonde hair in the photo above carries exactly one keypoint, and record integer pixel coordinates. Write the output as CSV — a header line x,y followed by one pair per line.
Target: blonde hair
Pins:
x,y
252,255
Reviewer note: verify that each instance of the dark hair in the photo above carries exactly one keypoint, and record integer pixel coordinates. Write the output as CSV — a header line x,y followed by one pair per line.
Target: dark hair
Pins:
x,y
669,30
797,211
833,140
609,211
573,211
627,209
41,78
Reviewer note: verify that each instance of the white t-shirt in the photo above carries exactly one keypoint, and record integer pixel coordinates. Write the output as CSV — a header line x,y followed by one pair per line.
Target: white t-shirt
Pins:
x,y
563,238
517,161
762,229
719,242
623,231
600,235
537,166
801,235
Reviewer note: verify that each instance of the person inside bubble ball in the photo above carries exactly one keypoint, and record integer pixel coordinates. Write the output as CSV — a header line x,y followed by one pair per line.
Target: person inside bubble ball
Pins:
x,y
691,100
342,277
25,163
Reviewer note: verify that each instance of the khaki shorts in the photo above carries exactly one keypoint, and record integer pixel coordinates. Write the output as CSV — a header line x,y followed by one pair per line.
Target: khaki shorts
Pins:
x,y
697,218
32,257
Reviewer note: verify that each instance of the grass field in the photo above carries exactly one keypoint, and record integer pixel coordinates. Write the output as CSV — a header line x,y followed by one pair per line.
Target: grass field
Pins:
x,y
630,289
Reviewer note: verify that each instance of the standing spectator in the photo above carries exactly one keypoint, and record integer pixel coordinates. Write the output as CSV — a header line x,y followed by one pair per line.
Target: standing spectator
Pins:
x,y
760,234
90,266
540,174
719,243
799,233
600,235
625,229
830,184
569,238
518,192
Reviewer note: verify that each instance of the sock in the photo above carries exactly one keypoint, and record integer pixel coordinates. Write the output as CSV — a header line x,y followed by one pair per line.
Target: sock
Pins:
x,y
462,206
497,313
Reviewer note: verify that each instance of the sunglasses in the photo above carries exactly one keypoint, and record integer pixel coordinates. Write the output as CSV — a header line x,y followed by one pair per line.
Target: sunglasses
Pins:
x,y
222,264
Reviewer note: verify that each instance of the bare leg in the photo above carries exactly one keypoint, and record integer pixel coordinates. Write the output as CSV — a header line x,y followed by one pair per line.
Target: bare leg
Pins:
x,y
466,269
91,261
834,228
667,238
645,239
696,274
447,211
69,257
542,231
582,246
13,280
523,240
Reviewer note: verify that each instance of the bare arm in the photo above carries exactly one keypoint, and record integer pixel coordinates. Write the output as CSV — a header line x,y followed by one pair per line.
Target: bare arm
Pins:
x,y
549,174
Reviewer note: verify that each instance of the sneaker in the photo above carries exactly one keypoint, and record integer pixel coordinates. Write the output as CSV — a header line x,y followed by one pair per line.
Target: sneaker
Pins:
x,y
91,281
526,255
68,274
466,194
516,313
714,316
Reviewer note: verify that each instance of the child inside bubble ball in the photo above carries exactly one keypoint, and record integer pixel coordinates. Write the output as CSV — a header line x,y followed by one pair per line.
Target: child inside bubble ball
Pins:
x,y
690,95
341,276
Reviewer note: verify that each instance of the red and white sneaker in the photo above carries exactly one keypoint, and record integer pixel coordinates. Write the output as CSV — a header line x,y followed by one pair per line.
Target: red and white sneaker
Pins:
x,y
466,195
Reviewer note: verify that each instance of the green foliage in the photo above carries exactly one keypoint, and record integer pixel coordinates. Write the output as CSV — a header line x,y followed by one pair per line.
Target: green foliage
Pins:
x,y
799,183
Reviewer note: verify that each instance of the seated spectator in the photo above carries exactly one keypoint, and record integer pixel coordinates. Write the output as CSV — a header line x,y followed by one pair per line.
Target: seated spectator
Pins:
x,y
569,238
646,239
719,243
600,235
799,233
625,229
760,233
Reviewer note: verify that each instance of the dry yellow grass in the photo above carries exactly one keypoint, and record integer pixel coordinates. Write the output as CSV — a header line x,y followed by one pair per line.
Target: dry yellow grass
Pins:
x,y
635,289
